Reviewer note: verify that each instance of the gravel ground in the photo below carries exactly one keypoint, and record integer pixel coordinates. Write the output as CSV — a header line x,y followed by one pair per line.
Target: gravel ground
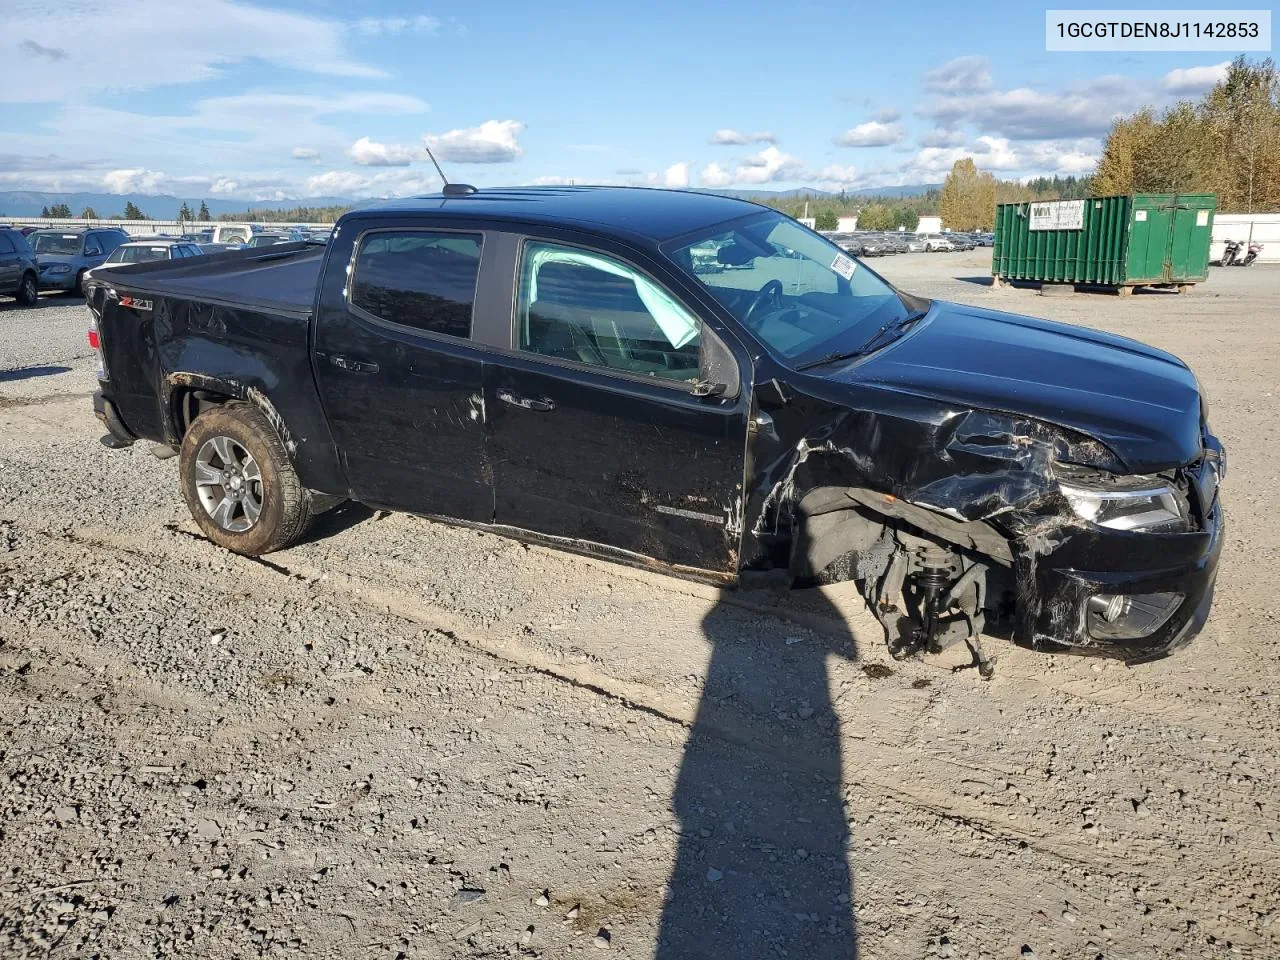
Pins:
x,y
400,739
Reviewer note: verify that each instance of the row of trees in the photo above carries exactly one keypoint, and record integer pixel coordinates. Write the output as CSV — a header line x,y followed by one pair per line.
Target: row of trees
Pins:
x,y
131,212
293,215
966,201
1226,143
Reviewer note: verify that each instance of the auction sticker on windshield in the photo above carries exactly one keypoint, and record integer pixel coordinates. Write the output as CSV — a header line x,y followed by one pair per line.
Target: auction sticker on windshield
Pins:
x,y
844,266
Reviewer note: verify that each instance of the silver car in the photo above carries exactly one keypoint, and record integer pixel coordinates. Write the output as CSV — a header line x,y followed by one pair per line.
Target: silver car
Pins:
x,y
142,251
65,256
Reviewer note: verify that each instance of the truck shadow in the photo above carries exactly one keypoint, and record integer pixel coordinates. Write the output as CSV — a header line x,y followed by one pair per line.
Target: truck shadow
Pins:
x,y
762,862
27,373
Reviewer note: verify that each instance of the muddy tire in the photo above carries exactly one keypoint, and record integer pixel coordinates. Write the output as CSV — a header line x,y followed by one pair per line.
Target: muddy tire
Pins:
x,y
239,482
28,290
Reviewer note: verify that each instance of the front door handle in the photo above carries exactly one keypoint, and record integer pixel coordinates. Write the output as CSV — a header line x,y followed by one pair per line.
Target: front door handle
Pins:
x,y
353,366
525,403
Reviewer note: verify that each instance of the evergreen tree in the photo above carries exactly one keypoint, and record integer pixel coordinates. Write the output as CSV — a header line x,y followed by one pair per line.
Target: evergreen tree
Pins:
x,y
825,220
204,212
44,212
88,213
185,214
131,212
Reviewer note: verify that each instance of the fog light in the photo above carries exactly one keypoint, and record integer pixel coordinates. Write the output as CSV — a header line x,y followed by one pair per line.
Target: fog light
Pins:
x,y
1118,616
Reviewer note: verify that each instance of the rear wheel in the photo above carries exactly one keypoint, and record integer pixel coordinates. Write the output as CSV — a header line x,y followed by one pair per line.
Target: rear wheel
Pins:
x,y
78,289
28,292
239,482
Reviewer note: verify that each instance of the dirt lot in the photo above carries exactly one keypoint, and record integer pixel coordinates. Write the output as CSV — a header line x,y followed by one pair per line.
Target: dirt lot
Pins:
x,y
402,739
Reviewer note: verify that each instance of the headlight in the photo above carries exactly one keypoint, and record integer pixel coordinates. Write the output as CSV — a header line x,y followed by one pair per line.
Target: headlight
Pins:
x,y
1131,503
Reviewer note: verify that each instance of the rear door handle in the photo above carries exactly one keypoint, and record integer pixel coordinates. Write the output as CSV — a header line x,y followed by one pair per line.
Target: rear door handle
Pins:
x,y
542,406
353,366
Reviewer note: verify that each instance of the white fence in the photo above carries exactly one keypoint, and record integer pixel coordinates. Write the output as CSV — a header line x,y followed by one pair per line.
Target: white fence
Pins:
x,y
1263,228
138,228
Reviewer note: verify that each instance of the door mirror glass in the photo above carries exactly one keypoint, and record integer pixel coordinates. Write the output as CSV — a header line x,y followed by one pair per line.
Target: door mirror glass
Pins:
x,y
93,251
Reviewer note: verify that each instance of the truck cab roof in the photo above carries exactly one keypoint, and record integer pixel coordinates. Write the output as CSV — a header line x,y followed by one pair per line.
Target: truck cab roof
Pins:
x,y
657,215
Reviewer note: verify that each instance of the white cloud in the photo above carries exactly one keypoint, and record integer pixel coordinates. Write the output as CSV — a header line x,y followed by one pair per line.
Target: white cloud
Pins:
x,y
377,26
494,141
726,137
304,153
676,176
133,181
190,43
888,115
386,183
1192,80
369,153
767,166
961,75
1026,114
1006,158
873,133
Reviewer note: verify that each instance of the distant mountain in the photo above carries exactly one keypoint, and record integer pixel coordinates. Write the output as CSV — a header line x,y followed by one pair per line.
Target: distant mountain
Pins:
x,y
26,203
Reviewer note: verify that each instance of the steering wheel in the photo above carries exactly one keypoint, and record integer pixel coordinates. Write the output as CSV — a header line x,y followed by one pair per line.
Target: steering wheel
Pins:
x,y
770,293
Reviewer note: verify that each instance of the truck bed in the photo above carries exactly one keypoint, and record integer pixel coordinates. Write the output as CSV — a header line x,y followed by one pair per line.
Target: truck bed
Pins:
x,y
279,279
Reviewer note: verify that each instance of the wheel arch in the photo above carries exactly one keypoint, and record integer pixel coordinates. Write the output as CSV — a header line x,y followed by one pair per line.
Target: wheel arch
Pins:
x,y
187,395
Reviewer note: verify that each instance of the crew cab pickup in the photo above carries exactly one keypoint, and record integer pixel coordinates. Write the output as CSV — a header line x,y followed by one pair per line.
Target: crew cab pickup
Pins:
x,y
685,382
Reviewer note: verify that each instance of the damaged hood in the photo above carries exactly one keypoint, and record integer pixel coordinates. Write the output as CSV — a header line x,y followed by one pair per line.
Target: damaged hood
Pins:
x,y
1143,403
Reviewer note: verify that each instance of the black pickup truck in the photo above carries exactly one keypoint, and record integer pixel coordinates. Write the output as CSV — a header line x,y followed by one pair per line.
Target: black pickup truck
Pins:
x,y
687,382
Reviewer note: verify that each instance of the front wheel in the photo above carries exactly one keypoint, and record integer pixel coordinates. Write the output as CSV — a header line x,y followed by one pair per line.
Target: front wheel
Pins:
x,y
28,291
239,482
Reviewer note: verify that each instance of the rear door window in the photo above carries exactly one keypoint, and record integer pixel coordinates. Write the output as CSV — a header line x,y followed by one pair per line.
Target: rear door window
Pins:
x,y
418,278
6,245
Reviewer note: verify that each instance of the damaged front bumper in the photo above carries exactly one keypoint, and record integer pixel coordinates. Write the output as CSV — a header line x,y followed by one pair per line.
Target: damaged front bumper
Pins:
x,y
1165,578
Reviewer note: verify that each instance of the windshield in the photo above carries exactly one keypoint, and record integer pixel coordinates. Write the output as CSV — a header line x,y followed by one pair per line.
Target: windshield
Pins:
x,y
798,292
137,254
58,243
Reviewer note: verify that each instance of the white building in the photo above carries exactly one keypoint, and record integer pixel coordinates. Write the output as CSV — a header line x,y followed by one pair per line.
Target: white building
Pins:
x,y
1247,228
846,224
810,222
929,225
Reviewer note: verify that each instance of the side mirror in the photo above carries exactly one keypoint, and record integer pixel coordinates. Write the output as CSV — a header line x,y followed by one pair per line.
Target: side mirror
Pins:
x,y
92,252
735,255
706,388
718,376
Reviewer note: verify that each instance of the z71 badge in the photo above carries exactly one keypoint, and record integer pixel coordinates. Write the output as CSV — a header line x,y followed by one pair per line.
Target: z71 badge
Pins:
x,y
137,303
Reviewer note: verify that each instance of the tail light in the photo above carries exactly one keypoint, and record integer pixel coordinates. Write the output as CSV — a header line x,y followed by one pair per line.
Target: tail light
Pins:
x,y
95,344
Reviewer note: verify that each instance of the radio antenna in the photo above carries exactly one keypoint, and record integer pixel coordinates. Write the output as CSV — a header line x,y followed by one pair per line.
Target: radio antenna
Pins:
x,y
449,189
443,178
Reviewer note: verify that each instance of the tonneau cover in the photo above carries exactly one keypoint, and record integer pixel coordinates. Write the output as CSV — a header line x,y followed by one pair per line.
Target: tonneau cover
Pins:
x,y
281,278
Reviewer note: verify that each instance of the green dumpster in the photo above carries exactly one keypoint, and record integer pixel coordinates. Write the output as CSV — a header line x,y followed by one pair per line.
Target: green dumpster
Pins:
x,y
1144,239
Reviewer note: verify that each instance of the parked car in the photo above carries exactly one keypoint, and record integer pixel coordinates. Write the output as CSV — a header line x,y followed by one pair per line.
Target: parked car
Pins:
x,y
550,364
232,232
267,239
847,242
914,243
66,255
146,251
895,242
936,243
19,273
961,241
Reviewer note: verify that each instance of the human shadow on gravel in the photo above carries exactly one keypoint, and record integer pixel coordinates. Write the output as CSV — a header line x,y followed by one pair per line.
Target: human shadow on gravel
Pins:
x,y
762,864
27,373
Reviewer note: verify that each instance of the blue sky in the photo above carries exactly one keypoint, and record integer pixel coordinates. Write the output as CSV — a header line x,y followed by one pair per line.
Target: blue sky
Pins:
x,y
271,100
